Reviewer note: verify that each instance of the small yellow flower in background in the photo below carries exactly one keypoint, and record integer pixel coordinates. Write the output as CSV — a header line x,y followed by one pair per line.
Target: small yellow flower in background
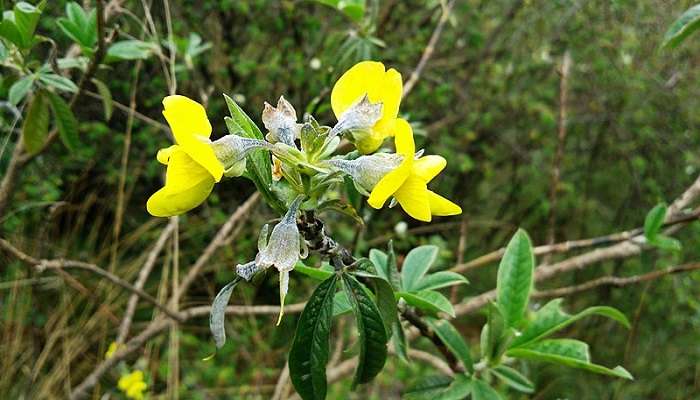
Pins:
x,y
193,167
113,347
133,385
408,182
381,86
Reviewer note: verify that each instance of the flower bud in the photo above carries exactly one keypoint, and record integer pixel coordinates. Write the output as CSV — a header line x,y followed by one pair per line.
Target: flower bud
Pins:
x,y
281,122
231,151
367,171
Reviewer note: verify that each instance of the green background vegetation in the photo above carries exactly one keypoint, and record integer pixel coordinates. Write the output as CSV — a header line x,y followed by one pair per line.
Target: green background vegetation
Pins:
x,y
487,101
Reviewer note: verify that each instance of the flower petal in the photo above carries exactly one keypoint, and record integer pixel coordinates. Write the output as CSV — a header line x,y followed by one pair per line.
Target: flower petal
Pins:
x,y
163,155
191,128
426,168
284,287
187,185
186,118
371,78
413,198
388,185
440,206
404,139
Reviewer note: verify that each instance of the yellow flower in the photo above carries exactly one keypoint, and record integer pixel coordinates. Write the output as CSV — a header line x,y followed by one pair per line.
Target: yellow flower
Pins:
x,y
192,164
113,347
408,182
381,86
133,385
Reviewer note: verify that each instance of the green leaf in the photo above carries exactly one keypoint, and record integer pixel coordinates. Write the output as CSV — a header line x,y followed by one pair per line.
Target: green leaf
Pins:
x,y
494,335
218,312
453,340
320,274
373,338
654,221
398,338
341,304
130,50
259,163
459,389
515,278
681,28
441,279
427,388
18,25
65,122
59,82
36,124
483,391
666,243
567,352
418,262
379,259
20,89
386,300
514,379
551,318
309,353
80,26
392,267
106,95
428,300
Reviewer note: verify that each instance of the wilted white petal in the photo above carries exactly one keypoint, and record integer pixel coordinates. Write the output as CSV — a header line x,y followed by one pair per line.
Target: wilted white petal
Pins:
x,y
231,151
282,249
360,116
284,287
247,270
216,316
281,122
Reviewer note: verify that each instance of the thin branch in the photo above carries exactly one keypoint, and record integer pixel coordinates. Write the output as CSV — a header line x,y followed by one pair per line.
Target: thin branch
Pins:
x,y
61,264
141,281
414,319
616,281
429,49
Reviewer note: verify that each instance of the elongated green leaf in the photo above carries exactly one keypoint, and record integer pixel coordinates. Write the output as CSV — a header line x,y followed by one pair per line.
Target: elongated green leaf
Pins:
x,y
218,312
551,318
309,353
18,25
379,259
654,221
20,89
515,278
441,279
495,334
398,338
385,299
341,304
106,95
259,164
65,122
392,267
453,340
514,379
483,391
36,124
59,82
567,352
427,388
372,333
320,274
459,389
418,262
428,300
130,50
686,24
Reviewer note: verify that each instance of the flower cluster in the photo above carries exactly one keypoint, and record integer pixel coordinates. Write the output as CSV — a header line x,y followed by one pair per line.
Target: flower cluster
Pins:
x,y
131,383
365,101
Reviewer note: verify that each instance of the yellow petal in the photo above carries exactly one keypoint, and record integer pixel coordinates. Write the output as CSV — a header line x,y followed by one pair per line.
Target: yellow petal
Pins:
x,y
426,168
413,198
191,128
388,185
186,118
370,143
440,206
404,139
371,78
163,155
187,185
